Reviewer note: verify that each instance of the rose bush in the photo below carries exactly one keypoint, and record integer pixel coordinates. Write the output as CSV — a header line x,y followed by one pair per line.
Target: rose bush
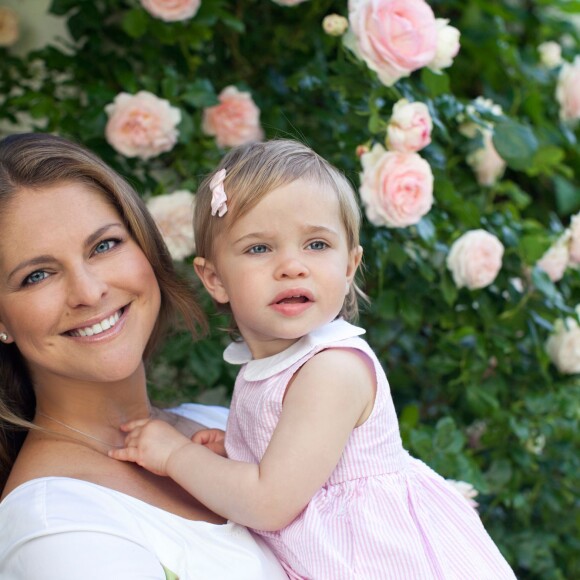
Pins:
x,y
141,125
479,395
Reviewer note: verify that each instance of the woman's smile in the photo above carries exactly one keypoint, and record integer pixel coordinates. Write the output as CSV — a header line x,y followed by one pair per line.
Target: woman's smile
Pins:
x,y
112,323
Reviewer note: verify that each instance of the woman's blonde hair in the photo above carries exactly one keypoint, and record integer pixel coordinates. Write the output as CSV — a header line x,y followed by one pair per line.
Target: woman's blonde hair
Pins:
x,y
253,171
34,161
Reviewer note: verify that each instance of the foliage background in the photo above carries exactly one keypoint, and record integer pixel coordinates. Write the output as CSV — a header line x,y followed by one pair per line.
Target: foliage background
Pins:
x,y
476,394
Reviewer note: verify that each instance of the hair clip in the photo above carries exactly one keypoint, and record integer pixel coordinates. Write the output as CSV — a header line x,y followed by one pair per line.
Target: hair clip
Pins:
x,y
218,194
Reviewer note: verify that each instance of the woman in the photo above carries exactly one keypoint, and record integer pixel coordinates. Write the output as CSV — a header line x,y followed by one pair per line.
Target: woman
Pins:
x,y
87,289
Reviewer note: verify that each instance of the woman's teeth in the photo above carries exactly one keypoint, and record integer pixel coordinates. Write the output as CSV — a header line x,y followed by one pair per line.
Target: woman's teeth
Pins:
x,y
97,328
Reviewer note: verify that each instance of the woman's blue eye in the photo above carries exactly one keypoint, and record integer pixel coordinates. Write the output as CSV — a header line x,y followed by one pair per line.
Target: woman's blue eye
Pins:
x,y
318,245
105,246
258,249
35,277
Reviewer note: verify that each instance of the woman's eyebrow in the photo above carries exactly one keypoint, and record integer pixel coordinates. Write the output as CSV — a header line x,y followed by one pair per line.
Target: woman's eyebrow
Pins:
x,y
47,258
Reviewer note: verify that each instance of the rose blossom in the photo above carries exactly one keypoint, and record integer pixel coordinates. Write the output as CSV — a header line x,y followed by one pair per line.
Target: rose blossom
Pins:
x,y
396,188
568,91
173,214
466,490
550,54
235,121
447,45
574,246
141,125
171,10
475,259
556,259
9,29
393,37
563,346
335,25
485,161
410,127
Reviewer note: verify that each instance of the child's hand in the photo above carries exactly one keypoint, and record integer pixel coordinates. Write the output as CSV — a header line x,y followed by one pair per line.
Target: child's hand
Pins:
x,y
150,444
213,439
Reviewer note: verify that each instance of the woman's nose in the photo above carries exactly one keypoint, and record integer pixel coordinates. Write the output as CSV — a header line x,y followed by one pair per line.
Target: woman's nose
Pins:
x,y
86,287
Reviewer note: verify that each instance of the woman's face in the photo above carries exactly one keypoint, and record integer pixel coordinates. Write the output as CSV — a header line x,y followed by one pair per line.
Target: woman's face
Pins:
x,y
77,295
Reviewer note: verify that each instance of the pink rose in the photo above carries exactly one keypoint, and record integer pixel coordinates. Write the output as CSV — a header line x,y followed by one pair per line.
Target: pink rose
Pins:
x,y
486,163
410,127
574,246
235,121
171,10
475,259
568,91
9,28
396,188
447,45
393,37
173,214
555,261
141,125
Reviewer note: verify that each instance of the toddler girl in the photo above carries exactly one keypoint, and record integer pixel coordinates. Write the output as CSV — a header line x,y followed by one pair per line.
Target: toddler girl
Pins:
x,y
315,461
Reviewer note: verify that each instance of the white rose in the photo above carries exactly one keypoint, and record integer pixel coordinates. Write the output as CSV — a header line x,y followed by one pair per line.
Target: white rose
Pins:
x,y
466,490
550,54
335,25
556,259
563,346
574,246
173,214
486,162
475,259
447,45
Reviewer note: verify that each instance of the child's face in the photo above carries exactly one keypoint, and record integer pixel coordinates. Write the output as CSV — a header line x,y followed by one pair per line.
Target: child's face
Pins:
x,y
285,266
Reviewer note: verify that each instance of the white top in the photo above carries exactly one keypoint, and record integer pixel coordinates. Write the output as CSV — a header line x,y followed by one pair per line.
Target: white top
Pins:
x,y
59,528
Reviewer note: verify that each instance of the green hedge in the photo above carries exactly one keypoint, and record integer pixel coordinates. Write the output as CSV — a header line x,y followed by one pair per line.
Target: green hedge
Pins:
x,y
477,394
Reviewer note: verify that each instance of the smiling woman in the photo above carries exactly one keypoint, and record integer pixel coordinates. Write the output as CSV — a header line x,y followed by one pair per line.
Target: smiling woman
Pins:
x,y
87,290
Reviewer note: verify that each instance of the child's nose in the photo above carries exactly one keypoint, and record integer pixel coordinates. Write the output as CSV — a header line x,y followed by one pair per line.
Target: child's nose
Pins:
x,y
291,267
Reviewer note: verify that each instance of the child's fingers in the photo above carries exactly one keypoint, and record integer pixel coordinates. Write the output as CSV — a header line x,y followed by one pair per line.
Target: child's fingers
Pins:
x,y
133,424
124,454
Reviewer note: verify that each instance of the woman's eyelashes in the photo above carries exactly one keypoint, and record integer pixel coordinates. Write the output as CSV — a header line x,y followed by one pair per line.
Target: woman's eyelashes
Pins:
x,y
101,247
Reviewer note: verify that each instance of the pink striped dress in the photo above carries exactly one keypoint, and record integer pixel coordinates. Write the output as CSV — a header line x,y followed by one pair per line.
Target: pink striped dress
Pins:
x,y
381,514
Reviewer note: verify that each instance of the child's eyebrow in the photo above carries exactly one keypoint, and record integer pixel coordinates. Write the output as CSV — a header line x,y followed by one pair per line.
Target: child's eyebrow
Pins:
x,y
314,229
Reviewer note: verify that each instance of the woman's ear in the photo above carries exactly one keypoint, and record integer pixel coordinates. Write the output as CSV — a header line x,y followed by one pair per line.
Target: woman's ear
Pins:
x,y
210,278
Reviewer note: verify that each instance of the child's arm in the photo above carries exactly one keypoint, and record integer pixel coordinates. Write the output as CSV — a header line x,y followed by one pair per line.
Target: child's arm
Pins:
x,y
330,395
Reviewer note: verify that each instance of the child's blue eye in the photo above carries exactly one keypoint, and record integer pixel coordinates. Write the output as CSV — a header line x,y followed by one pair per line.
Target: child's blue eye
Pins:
x,y
258,249
318,245
105,246
35,277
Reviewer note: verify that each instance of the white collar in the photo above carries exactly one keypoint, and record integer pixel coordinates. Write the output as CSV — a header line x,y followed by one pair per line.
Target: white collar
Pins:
x,y
238,353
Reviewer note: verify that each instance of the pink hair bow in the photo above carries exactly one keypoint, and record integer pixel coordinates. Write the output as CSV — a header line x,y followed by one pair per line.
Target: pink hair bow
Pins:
x,y
218,194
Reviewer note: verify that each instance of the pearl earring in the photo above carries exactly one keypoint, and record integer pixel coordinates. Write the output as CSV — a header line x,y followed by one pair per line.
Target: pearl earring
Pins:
x,y
3,336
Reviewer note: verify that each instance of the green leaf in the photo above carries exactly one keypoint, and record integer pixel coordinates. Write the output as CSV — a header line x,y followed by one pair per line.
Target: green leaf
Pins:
x,y
515,143
435,83
567,195
135,23
200,94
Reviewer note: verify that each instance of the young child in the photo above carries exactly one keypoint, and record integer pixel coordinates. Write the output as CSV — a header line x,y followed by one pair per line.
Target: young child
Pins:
x,y
316,465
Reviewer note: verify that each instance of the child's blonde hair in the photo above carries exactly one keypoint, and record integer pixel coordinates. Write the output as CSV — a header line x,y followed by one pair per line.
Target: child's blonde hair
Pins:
x,y
253,171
